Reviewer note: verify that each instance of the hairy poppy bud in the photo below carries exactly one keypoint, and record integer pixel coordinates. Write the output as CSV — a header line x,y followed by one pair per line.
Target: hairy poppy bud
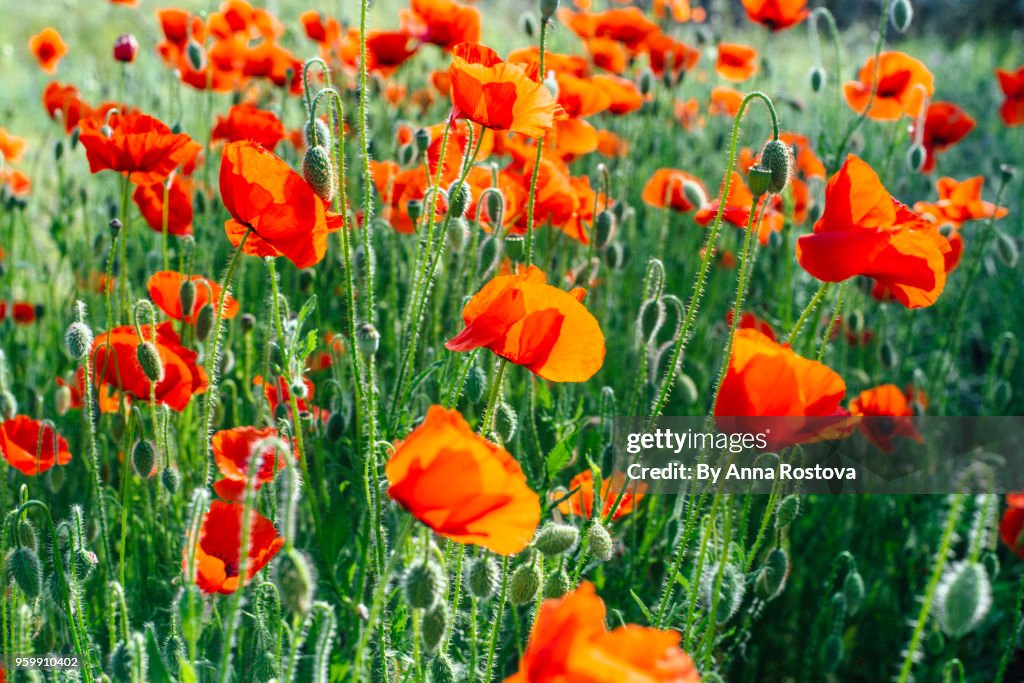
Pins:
x,y
604,229
170,479
991,563
506,422
149,361
690,394
817,77
367,340
27,534
888,355
187,296
524,584
788,510
24,568
422,139
125,48
600,541
476,384
336,426
194,52
731,591
495,206
915,158
555,539
204,322
652,317
694,194
58,150
1006,248
482,578
557,584
435,625
458,234
8,405
318,172
528,24
296,582
143,458
772,577
248,322
1003,394
407,154
548,8
423,585
321,131
775,156
834,651
646,82
901,13
85,562
115,227
963,598
442,670
853,591
459,196
759,179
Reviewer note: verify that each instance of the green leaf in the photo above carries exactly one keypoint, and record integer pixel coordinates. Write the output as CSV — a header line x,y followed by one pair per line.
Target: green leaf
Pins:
x,y
559,456
158,672
643,607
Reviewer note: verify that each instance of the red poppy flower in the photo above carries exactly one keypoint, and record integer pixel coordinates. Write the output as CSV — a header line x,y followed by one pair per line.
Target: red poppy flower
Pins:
x,y
150,200
232,451
118,366
531,323
1011,528
48,48
500,95
903,84
22,312
736,62
749,321
529,58
679,10
165,287
945,124
64,101
281,212
806,162
608,54
776,15
444,23
217,559
106,398
666,189
32,447
888,415
279,394
581,502
864,231
139,146
737,210
626,25
11,147
1012,85
623,94
570,642
14,180
463,486
959,201
246,122
667,53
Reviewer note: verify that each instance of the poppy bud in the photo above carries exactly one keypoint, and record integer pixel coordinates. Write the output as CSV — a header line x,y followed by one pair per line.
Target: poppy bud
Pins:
x,y
248,321
143,458
194,51
459,196
935,643
458,234
149,361
646,82
600,541
320,129
528,24
915,158
407,155
652,317
604,229
775,156
296,582
888,355
414,208
367,340
476,384
187,297
772,577
614,256
106,130
482,578
555,539
116,426
788,510
991,563
495,206
204,322
490,251
435,625
85,563
758,180
1006,248
318,172
115,228
853,591
421,138
8,405
27,534
557,584
1003,394
125,48
963,598
170,479
694,193
1007,172
548,8
524,584
817,77
58,150
690,394
423,585
834,651
24,568
336,426
506,422
901,13
442,670
731,591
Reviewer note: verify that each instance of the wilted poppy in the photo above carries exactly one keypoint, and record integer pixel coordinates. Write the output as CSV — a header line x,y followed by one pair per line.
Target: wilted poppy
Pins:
x,y
959,201
667,188
32,447
570,642
165,287
139,146
116,363
278,209
889,414
500,95
531,323
216,555
463,486
11,146
945,124
247,122
903,85
864,231
176,194
776,15
1012,85
48,48
444,23
232,451
736,62
581,500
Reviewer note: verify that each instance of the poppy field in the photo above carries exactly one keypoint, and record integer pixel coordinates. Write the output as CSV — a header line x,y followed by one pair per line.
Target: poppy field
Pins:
x,y
319,322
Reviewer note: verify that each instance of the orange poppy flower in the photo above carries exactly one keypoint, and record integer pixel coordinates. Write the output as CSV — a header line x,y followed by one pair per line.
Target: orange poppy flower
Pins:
x,y
17,182
688,114
32,447
749,321
11,146
247,122
500,95
959,201
945,124
608,54
463,486
126,3
806,161
279,394
531,323
725,101
736,62
623,94
627,25
769,389
679,10
570,642
164,289
529,57
217,556
150,200
903,84
117,365
281,212
737,210
48,48
22,312
889,415
106,399
1012,85
666,189
776,15
864,231
320,29
611,145
232,450
444,23
581,502
665,52
139,146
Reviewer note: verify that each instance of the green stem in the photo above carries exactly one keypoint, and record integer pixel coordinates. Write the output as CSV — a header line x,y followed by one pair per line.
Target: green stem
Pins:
x,y
532,198
811,305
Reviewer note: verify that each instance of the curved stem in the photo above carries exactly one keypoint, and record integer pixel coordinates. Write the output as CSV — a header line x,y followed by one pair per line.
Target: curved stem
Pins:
x,y
531,199
811,305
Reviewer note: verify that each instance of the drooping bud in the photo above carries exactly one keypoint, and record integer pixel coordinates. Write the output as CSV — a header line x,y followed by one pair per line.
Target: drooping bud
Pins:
x,y
963,598
143,458
187,297
834,651
772,577
1006,248
652,317
604,229
482,578
730,592
367,340
901,13
694,194
688,387
435,625
476,384
759,179
170,479
888,355
27,534
459,196
296,582
407,154
775,156
458,234
149,360
194,52
442,670
336,426
788,510
853,591
78,340
125,48
506,422
424,585
555,539
601,545
27,573
415,209
524,584
915,158
318,172
528,24
320,128
646,82
204,322
817,77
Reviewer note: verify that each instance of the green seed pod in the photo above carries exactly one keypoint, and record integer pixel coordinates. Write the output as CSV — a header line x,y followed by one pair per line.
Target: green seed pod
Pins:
x,y
506,422
476,384
458,234
515,248
788,510
604,229
731,591
78,340
8,405
336,426
915,158
27,534
548,8
887,355
422,139
690,394
1006,249
204,322
318,172
367,340
442,670
248,322
528,24
775,156
556,584
170,479
834,651
415,209
482,578
853,591
1007,172
646,82
24,569
187,296
323,133
435,624
901,13
149,361
772,578
963,598
601,545
143,458
555,539
524,584
424,585
818,78
758,180
459,197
